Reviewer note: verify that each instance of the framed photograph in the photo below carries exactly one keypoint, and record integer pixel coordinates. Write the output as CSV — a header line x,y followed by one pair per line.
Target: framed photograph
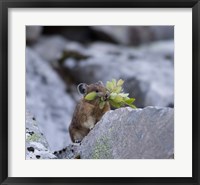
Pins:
x,y
99,92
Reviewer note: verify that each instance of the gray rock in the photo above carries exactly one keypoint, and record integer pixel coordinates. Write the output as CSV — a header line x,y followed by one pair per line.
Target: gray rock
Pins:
x,y
36,144
50,48
70,152
33,33
134,35
151,83
131,134
47,99
159,49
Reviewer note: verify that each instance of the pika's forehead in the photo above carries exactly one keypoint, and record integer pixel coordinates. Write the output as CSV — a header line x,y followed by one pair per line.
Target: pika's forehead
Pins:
x,y
93,87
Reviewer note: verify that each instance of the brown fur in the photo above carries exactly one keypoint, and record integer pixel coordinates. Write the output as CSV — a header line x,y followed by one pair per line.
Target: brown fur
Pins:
x,y
87,113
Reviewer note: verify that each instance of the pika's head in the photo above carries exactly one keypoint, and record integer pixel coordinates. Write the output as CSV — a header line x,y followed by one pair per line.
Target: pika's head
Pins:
x,y
97,87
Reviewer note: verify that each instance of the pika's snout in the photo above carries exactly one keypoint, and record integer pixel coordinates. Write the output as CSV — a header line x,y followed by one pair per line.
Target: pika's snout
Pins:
x,y
107,95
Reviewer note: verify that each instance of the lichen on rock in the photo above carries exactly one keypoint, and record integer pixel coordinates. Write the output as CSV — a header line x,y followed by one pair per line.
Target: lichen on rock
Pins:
x,y
36,144
128,133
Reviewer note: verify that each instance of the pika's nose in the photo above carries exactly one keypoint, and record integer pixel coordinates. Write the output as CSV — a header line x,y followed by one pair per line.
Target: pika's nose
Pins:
x,y
106,96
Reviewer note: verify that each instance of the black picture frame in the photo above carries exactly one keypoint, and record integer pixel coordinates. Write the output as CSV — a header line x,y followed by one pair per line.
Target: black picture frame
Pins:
x,y
6,4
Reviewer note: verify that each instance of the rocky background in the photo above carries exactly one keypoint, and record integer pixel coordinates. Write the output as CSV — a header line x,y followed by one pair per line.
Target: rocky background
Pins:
x,y
59,58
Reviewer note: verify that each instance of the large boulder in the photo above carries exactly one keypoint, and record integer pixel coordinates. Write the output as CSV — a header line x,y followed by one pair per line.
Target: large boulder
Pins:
x,y
133,35
36,144
128,133
48,101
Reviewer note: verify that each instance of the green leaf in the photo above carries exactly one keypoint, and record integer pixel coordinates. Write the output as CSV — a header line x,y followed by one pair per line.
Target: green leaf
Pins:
x,y
117,89
113,95
109,86
118,99
130,100
91,96
114,82
124,95
126,98
132,106
114,104
102,104
120,82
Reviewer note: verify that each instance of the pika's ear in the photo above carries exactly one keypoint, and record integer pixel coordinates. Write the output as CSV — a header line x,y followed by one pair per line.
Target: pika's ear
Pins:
x,y
100,83
82,88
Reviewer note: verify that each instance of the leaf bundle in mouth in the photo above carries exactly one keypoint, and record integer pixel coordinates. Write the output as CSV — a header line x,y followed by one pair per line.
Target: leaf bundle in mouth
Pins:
x,y
115,95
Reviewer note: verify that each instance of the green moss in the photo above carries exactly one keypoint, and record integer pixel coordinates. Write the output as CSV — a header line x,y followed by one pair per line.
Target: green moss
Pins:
x,y
102,149
72,54
33,137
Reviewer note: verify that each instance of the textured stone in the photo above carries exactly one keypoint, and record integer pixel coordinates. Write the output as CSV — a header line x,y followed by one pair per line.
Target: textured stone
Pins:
x,y
131,134
48,101
36,144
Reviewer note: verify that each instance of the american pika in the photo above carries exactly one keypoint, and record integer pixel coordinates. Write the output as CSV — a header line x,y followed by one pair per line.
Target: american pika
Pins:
x,y
87,113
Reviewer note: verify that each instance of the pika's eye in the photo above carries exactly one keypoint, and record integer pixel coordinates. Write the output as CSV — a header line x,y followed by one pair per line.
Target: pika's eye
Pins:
x,y
97,91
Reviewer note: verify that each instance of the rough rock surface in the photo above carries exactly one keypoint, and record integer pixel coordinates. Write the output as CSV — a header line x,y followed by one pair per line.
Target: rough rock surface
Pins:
x,y
47,99
69,152
36,144
131,134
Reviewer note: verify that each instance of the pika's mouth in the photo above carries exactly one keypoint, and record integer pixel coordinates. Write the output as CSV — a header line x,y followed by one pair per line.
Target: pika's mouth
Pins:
x,y
103,96
106,97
